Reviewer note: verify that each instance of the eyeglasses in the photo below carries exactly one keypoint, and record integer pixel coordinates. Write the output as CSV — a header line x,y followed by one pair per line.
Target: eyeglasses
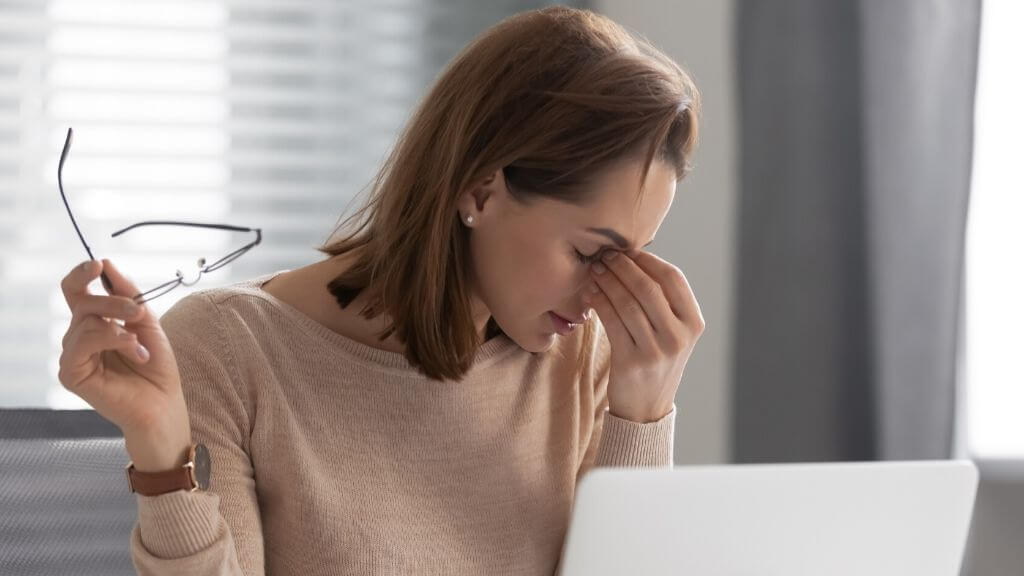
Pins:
x,y
180,279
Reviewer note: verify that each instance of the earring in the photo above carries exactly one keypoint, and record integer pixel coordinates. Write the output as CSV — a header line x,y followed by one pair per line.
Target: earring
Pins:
x,y
469,219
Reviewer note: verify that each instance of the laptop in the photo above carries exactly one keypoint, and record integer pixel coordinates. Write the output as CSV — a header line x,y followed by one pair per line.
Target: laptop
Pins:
x,y
891,518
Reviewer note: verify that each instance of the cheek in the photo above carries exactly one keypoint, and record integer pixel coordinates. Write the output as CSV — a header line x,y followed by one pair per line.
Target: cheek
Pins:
x,y
552,280
527,274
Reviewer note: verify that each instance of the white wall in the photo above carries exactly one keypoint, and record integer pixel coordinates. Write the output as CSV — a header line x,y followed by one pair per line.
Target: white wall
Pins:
x,y
698,234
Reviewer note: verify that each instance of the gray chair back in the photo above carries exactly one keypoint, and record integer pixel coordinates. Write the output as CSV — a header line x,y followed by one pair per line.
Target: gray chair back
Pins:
x,y
65,507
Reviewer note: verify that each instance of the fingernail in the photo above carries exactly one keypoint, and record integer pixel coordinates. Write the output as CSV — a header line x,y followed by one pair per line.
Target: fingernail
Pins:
x,y
594,288
142,352
130,309
609,255
85,265
598,268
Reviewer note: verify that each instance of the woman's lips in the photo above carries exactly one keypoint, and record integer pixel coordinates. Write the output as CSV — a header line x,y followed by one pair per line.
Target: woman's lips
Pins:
x,y
562,326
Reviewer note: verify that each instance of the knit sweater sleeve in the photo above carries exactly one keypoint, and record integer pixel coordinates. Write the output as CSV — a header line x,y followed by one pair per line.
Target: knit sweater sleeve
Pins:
x,y
217,532
614,441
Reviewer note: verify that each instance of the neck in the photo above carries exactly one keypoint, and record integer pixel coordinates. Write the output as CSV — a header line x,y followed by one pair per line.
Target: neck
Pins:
x,y
486,328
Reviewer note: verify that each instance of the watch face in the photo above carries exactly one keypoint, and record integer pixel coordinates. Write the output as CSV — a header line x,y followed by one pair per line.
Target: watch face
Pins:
x,y
202,469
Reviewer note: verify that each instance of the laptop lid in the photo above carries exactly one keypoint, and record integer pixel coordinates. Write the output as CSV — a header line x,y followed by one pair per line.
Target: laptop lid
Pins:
x,y
852,518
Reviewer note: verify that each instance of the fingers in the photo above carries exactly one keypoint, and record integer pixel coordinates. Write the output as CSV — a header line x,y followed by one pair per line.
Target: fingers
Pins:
x,y
76,283
645,289
118,307
122,285
86,307
618,333
75,287
85,341
626,306
675,286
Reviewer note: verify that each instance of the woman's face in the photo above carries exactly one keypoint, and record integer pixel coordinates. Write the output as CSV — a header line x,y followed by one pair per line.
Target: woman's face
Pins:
x,y
527,259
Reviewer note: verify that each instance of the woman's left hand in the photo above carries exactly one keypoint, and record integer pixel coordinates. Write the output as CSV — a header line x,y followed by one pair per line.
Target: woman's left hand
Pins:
x,y
653,322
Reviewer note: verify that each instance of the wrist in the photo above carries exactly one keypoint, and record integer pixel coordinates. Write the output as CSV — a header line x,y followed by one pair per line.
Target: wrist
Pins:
x,y
640,416
159,453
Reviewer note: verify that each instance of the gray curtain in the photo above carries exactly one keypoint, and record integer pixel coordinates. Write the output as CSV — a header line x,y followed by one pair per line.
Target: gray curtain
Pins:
x,y
857,121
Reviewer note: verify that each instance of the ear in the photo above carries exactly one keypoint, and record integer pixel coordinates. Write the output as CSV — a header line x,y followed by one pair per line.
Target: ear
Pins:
x,y
483,198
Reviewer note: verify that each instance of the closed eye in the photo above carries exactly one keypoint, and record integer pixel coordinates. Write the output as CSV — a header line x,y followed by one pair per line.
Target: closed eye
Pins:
x,y
585,259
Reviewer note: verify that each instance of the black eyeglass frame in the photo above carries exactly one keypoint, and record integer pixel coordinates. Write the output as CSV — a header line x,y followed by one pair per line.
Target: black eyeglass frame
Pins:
x,y
167,286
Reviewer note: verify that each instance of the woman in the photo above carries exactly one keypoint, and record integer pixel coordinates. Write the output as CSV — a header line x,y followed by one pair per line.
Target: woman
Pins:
x,y
426,399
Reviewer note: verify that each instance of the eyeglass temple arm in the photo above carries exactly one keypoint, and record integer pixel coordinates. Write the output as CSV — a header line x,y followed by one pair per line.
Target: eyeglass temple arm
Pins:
x,y
192,224
60,184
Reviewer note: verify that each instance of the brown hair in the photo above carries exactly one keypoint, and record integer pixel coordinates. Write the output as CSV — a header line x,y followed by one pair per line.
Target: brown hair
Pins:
x,y
551,97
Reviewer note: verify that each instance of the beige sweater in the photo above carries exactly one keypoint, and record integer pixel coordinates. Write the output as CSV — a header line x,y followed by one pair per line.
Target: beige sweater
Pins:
x,y
333,457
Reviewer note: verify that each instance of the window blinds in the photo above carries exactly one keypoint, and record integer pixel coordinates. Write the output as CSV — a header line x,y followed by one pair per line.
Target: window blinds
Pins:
x,y
271,115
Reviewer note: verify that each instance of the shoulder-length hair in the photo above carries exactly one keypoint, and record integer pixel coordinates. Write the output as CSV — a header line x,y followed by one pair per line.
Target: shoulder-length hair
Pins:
x,y
551,97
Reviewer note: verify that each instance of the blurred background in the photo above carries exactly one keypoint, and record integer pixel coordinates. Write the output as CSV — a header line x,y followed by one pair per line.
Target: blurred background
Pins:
x,y
851,228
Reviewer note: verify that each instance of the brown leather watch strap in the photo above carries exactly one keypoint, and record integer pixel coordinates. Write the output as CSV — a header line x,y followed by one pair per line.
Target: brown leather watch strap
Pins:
x,y
156,483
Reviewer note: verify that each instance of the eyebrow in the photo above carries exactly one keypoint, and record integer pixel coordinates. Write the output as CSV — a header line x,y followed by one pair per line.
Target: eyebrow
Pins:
x,y
615,237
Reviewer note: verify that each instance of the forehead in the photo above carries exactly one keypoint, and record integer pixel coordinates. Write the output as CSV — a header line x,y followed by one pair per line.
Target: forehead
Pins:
x,y
615,204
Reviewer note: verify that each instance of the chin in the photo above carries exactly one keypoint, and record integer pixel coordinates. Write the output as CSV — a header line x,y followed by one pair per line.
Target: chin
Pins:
x,y
540,345
536,339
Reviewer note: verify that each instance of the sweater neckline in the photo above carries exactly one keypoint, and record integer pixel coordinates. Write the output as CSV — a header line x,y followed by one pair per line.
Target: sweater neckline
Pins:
x,y
487,353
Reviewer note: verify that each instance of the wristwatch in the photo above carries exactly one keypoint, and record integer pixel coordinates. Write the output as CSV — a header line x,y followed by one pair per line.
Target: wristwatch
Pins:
x,y
193,475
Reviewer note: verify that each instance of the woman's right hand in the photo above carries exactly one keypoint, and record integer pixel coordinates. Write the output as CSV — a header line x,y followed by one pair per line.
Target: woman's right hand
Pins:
x,y
137,389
